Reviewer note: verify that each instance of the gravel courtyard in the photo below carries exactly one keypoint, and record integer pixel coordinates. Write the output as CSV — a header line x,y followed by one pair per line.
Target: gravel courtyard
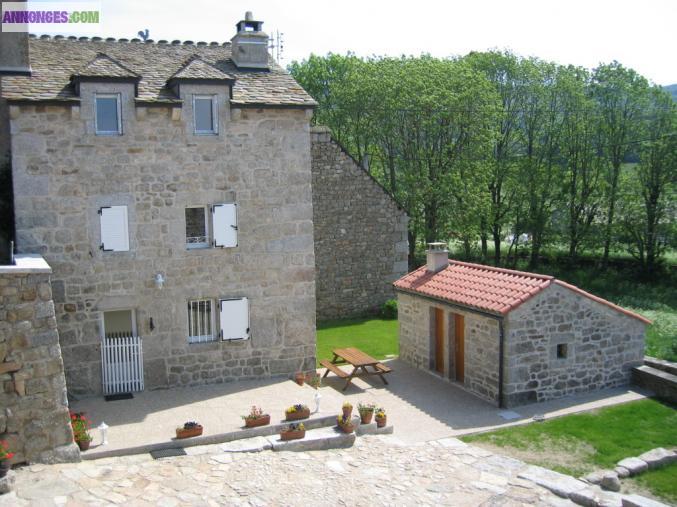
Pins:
x,y
378,470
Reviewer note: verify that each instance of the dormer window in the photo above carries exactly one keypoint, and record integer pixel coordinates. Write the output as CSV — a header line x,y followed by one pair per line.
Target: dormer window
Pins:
x,y
205,114
108,114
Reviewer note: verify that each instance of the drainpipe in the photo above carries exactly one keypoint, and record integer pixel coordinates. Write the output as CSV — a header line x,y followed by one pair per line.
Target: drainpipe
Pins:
x,y
501,347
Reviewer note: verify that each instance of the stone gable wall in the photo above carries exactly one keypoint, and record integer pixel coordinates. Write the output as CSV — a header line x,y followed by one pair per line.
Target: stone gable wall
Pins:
x,y
360,234
416,328
260,160
603,346
34,416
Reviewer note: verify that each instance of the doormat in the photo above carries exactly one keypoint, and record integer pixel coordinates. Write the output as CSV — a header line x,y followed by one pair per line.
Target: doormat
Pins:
x,y
120,396
168,453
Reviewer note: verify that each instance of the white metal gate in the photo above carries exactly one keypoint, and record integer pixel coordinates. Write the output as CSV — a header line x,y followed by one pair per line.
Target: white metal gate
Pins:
x,y
122,364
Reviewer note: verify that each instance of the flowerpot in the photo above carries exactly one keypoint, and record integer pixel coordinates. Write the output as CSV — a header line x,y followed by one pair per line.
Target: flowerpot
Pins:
x,y
292,435
381,421
299,414
347,427
188,432
259,421
300,378
4,467
83,444
347,412
365,417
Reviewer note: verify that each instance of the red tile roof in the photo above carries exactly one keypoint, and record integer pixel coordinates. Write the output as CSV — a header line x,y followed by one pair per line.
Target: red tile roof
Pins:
x,y
487,288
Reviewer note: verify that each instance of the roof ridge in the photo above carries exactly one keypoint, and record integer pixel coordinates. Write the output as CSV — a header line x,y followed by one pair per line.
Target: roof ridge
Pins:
x,y
123,40
502,270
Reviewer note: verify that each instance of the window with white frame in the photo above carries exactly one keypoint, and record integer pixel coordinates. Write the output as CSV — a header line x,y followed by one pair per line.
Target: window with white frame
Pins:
x,y
108,117
114,229
200,321
197,232
205,114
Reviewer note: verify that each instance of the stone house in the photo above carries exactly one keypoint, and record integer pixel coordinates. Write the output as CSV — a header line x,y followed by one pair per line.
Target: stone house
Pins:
x,y
168,186
512,337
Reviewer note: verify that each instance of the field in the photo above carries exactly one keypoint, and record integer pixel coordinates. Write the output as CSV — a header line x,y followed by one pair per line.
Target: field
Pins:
x,y
377,337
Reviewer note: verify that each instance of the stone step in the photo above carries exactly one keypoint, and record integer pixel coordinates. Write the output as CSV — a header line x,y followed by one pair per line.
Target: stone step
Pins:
x,y
373,429
315,421
661,364
315,440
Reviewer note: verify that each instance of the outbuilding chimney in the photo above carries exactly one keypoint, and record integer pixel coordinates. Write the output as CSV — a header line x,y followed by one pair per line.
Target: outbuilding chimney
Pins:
x,y
249,46
437,256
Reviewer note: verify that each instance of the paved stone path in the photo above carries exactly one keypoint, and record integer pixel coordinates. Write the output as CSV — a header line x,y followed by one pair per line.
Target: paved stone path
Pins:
x,y
378,470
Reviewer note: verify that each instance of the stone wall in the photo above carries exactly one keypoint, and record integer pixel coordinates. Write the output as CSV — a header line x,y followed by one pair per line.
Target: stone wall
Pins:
x,y
6,225
63,174
360,233
602,347
34,416
416,330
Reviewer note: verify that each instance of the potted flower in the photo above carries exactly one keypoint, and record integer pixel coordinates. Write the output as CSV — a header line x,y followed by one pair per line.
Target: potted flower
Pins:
x,y
380,417
300,377
345,423
256,417
366,411
189,429
347,409
315,381
81,425
296,412
293,432
5,456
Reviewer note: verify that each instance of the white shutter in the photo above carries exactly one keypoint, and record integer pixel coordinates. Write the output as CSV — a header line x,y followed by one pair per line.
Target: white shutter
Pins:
x,y
224,221
114,231
234,317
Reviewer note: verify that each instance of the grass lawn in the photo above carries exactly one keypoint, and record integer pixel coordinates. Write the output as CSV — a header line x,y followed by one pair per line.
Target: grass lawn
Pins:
x,y
377,337
580,443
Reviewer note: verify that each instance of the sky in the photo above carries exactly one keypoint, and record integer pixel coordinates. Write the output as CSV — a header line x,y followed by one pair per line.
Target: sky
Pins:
x,y
640,34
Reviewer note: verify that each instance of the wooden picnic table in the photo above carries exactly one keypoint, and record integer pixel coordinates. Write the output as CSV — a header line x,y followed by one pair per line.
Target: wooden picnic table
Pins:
x,y
360,361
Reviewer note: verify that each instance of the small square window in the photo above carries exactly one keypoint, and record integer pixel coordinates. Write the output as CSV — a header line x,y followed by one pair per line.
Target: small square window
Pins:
x,y
204,114
197,233
562,350
108,115
200,321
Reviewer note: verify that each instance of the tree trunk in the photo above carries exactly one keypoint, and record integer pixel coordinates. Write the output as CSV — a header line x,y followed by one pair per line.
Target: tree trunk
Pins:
x,y
496,233
412,250
610,214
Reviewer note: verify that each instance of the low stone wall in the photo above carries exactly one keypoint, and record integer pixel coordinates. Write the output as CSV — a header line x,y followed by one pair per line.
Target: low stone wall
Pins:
x,y
662,383
360,233
34,416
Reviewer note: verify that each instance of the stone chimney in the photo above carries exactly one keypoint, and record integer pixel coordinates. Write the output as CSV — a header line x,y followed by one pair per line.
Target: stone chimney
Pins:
x,y
14,50
249,46
437,257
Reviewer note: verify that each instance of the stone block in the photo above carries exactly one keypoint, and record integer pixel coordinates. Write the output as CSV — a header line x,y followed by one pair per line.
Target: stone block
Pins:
x,y
640,501
610,481
633,465
7,483
658,457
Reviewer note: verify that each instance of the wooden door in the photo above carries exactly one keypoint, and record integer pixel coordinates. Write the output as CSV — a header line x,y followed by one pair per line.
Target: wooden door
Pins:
x,y
439,340
459,344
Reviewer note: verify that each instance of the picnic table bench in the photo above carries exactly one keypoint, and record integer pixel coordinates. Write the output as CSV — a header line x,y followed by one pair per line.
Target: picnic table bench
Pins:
x,y
360,361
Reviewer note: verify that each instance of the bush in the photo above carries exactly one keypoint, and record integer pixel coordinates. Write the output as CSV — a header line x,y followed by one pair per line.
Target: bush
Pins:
x,y
389,309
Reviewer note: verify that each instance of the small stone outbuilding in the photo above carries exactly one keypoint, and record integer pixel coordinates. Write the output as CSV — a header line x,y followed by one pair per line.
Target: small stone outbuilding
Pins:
x,y
513,337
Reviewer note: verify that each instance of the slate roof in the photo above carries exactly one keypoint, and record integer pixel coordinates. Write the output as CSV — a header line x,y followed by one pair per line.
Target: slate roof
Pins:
x,y
55,59
487,288
103,65
196,68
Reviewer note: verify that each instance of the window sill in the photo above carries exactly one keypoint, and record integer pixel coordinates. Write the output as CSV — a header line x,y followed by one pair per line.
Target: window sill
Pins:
x,y
197,246
108,134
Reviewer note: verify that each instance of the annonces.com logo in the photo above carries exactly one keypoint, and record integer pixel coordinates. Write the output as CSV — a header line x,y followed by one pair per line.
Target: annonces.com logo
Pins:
x,y
50,16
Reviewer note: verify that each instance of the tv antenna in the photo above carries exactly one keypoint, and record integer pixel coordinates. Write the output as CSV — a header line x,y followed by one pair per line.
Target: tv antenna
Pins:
x,y
144,34
276,45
